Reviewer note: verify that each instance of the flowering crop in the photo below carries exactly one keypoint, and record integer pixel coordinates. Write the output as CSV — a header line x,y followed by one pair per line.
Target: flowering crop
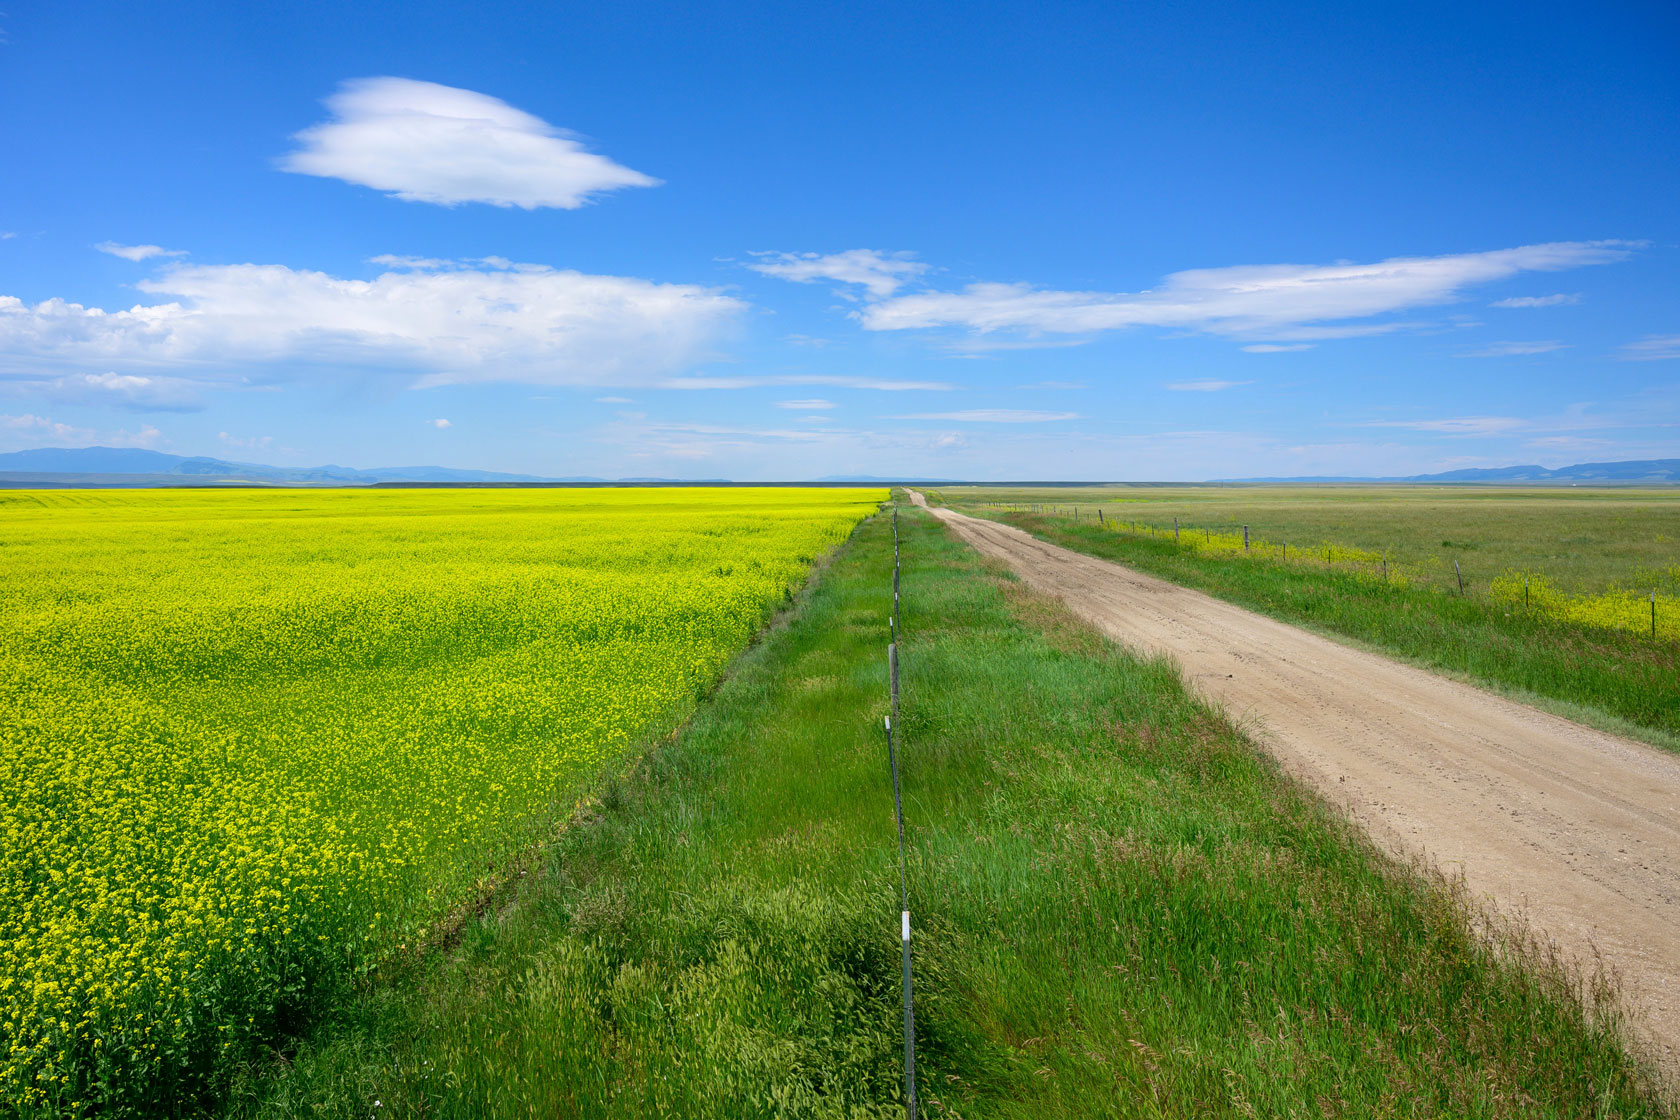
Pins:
x,y
253,742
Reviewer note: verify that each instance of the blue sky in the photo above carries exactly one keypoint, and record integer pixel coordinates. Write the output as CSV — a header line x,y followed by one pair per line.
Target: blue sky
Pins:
x,y
1150,241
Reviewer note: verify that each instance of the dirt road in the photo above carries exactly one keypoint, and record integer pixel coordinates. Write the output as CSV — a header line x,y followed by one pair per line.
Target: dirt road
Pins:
x,y
1578,829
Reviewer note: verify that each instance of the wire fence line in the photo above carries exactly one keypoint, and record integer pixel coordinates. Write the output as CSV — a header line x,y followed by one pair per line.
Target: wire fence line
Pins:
x,y
891,722
1638,610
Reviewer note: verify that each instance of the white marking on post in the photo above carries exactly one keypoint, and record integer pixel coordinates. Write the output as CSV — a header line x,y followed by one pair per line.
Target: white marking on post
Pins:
x,y
906,925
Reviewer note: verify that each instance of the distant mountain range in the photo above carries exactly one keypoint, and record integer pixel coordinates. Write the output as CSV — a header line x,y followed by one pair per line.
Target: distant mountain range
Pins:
x,y
127,466
1632,470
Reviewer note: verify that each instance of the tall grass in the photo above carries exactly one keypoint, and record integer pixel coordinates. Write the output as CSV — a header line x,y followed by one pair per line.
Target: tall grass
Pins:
x,y
1121,908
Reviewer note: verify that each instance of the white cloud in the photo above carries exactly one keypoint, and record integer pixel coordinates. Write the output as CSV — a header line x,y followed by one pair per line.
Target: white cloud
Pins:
x,y
1651,348
424,142
881,274
138,252
121,390
813,403
249,443
1538,301
527,324
31,430
440,423
1284,301
1208,386
1514,349
1459,426
614,400
7,235
1276,348
991,416
885,385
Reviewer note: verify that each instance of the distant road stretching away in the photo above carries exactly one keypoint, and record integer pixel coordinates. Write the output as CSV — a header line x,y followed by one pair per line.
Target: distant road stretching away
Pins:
x,y
1576,828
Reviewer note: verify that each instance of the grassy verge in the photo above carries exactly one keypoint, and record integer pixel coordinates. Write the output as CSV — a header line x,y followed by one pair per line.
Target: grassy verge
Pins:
x,y
1121,909
1584,672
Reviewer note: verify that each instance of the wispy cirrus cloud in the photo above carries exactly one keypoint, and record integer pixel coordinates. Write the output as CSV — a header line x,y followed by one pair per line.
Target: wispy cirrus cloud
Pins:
x,y
1514,349
880,274
1538,301
464,323
1208,386
841,381
1280,302
812,404
1651,348
1276,348
138,253
424,142
1459,425
991,416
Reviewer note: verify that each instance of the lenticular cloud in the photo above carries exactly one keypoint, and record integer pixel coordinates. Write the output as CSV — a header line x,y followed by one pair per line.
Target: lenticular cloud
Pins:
x,y
424,142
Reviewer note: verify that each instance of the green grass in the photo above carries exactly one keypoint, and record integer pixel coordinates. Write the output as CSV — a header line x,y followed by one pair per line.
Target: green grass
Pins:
x,y
1121,909
1582,539
1623,681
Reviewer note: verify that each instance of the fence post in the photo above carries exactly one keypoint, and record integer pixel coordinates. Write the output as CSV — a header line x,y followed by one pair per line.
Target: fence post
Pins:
x,y
1245,538
1175,530
1653,614
1525,593
904,937
1460,575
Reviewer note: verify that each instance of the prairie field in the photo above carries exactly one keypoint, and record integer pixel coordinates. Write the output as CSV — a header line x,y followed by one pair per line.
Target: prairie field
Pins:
x,y
1557,607
259,743
1580,540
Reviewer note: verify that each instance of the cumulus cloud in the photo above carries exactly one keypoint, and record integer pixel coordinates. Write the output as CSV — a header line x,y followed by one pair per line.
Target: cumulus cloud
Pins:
x,y
440,423
1209,386
880,274
129,391
30,430
246,443
1651,348
813,403
1284,301
472,323
991,416
1514,349
138,253
424,142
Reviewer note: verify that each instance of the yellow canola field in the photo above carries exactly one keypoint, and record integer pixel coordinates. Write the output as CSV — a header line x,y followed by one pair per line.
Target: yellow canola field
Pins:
x,y
255,741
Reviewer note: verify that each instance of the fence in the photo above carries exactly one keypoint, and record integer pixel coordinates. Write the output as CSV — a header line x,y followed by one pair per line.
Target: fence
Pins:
x,y
1640,611
891,721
